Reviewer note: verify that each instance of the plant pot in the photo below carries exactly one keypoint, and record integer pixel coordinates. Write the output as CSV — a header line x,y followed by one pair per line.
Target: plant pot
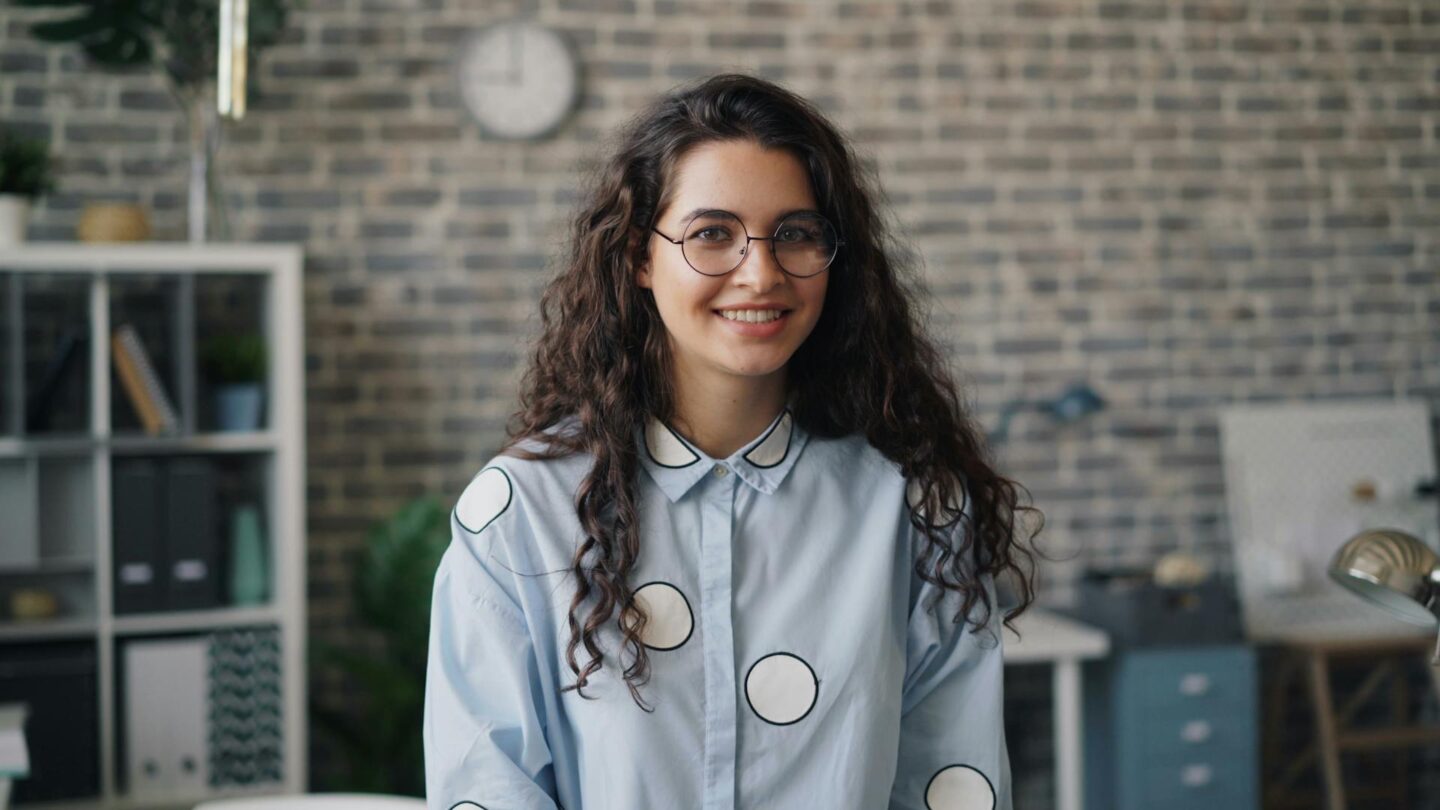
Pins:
x,y
14,216
238,405
113,222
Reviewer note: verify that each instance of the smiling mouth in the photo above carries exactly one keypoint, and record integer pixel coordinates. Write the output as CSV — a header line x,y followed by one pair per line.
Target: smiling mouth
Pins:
x,y
782,314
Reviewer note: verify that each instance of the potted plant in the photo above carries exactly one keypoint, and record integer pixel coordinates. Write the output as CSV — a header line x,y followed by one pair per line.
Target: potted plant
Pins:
x,y
182,38
235,365
26,172
378,739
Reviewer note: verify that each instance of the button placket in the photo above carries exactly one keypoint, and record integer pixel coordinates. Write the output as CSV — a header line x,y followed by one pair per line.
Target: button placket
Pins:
x,y
716,595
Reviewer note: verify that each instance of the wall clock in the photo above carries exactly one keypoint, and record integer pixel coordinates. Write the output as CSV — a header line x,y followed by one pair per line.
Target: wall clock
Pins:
x,y
519,79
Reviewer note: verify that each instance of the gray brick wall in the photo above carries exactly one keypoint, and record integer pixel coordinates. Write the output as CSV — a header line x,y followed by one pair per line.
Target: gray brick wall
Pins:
x,y
1185,203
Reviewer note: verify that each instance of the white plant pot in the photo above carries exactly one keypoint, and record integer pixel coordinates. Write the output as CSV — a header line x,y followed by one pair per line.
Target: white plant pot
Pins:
x,y
14,216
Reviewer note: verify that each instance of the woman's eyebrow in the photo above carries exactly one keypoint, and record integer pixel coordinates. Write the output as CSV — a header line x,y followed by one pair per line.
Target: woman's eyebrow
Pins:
x,y
698,211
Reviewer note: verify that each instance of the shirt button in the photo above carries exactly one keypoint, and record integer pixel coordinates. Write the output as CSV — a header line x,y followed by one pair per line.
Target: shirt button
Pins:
x,y
720,471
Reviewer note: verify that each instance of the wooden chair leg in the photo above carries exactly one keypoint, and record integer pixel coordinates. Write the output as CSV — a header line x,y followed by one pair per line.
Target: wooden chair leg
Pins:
x,y
1434,671
1400,710
1325,724
1275,706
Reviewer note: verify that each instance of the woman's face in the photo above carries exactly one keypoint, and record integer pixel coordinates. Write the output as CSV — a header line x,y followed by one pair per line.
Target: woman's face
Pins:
x,y
759,186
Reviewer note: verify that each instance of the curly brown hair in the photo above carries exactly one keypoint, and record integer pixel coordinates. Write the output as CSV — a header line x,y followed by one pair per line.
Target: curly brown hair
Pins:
x,y
603,362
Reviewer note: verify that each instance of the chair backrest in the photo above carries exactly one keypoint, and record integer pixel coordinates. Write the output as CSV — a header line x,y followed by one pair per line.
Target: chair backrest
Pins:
x,y
317,801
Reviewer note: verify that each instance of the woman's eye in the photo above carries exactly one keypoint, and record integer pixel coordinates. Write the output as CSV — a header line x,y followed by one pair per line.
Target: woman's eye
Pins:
x,y
715,234
795,235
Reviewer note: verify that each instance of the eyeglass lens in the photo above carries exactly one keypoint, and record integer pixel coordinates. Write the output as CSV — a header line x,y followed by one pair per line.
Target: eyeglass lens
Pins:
x,y
715,243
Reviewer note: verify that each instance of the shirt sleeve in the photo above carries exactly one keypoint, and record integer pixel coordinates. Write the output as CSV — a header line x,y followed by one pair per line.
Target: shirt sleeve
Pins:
x,y
952,736
484,721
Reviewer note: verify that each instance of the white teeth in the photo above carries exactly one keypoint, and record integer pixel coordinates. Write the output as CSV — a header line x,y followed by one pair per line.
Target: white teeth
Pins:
x,y
751,315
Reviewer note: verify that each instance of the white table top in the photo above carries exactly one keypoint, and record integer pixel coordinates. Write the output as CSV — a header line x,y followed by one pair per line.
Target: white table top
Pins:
x,y
1046,637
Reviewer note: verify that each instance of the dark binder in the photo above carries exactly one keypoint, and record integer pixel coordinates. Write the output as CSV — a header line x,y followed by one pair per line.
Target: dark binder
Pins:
x,y
191,545
138,505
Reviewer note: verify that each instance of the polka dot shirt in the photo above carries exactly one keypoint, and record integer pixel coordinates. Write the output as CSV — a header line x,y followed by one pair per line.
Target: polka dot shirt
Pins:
x,y
793,660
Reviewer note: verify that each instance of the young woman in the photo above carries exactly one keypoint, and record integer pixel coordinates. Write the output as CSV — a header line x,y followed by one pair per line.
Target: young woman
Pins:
x,y
741,549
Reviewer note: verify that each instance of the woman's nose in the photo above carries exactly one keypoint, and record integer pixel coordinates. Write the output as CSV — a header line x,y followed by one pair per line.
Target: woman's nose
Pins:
x,y
760,271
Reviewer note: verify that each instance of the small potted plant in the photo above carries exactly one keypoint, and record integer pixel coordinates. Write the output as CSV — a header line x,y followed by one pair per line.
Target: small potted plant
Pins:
x,y
26,172
235,365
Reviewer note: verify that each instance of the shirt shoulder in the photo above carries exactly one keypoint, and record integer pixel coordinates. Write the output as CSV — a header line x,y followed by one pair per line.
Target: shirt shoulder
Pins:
x,y
886,487
512,523
850,452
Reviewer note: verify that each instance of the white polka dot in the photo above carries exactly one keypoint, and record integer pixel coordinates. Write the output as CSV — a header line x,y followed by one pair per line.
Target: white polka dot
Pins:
x,y
781,688
914,495
487,496
665,447
772,449
669,618
959,787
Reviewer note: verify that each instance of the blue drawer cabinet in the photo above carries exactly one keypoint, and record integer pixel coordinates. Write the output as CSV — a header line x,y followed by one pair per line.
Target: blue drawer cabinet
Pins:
x,y
1172,727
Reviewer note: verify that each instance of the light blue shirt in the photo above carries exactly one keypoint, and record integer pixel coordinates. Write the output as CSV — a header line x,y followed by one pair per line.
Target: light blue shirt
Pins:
x,y
793,662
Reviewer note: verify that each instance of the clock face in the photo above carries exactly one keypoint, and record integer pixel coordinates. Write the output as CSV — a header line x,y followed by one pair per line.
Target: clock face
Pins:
x,y
518,78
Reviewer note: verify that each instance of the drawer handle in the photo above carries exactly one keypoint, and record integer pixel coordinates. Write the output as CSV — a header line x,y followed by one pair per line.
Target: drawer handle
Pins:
x,y
1196,683
1195,731
1196,775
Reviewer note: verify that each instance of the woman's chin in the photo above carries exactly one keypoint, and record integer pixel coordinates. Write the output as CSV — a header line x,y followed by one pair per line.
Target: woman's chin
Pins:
x,y
757,366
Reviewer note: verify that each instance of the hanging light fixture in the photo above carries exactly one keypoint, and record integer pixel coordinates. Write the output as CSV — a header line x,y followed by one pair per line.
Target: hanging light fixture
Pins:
x,y
234,44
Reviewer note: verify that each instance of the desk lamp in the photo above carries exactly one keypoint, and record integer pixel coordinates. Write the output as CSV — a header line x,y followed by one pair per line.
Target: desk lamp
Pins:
x,y
1394,570
1075,403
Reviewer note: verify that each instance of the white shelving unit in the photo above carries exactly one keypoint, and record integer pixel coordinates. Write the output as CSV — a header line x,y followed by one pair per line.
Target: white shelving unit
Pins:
x,y
72,466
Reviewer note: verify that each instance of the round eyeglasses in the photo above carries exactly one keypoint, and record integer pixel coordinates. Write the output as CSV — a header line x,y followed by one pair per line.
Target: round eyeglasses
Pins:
x,y
716,242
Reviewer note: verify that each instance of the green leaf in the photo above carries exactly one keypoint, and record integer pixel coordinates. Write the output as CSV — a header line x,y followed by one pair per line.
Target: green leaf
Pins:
x,y
26,167
121,34
120,49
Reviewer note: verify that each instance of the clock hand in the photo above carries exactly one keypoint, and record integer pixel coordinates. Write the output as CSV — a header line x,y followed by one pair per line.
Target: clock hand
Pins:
x,y
517,43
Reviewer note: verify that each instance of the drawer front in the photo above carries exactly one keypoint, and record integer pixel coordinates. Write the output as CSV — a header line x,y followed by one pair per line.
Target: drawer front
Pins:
x,y
1204,682
1169,739
1195,784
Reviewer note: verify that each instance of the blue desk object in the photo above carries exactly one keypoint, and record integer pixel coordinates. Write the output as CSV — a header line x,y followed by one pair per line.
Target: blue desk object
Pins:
x,y
1173,727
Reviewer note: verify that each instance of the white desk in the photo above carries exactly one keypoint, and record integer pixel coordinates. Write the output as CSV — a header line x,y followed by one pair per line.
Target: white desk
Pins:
x,y
1048,638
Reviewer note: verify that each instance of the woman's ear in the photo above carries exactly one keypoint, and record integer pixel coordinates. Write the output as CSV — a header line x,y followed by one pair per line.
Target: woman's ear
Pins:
x,y
642,275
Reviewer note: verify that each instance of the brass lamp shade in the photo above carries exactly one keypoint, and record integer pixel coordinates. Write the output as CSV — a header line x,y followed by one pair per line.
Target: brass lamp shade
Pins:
x,y
1394,570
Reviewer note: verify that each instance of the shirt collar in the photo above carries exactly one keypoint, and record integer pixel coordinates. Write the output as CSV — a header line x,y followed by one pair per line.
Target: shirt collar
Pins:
x,y
676,464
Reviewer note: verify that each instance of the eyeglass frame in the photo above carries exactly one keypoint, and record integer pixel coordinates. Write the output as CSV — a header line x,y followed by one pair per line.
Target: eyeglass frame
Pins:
x,y
748,239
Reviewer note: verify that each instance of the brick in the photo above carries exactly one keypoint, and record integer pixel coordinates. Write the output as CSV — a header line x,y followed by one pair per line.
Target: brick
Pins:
x,y
24,96
369,100
401,262
745,40
13,64
498,196
112,133
413,197
313,200
329,68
